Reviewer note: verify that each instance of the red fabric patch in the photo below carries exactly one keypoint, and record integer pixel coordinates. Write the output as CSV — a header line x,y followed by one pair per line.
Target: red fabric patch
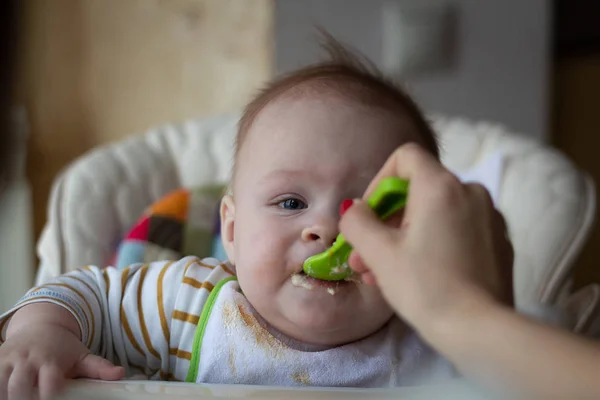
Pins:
x,y
140,230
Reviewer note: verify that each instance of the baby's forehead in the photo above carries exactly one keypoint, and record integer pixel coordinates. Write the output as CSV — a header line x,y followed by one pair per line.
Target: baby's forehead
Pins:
x,y
300,107
297,123
302,131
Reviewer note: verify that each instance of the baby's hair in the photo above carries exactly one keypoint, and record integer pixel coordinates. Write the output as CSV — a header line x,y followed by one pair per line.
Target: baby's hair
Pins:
x,y
348,74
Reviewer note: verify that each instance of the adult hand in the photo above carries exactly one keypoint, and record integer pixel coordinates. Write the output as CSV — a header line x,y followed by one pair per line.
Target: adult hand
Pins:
x,y
450,249
446,269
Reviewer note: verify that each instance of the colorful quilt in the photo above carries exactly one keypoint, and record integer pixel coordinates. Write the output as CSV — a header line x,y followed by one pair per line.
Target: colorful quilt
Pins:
x,y
182,223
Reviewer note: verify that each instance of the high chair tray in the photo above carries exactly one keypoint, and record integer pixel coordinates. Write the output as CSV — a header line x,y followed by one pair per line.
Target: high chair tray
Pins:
x,y
155,390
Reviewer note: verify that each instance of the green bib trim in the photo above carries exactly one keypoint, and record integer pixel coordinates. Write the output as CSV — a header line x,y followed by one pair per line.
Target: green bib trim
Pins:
x,y
192,374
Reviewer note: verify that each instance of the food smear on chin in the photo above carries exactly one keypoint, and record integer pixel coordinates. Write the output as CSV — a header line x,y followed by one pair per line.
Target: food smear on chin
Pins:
x,y
302,281
309,283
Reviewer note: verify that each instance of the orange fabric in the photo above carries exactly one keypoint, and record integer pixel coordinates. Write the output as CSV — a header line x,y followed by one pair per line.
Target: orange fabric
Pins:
x,y
174,205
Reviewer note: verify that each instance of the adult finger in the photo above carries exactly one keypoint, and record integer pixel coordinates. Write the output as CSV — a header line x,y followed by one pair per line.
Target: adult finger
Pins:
x,y
506,255
356,263
502,245
408,161
368,235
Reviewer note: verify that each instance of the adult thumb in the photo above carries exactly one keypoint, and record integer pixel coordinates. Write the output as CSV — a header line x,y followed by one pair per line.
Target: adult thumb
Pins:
x,y
371,238
95,367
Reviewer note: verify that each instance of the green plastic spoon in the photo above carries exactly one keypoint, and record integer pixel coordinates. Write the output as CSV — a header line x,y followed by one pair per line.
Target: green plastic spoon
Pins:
x,y
332,264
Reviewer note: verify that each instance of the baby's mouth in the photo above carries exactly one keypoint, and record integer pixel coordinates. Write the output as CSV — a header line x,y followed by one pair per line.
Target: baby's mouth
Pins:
x,y
300,279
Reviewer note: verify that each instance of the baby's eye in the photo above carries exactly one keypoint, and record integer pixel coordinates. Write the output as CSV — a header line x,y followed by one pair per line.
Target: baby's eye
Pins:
x,y
292,204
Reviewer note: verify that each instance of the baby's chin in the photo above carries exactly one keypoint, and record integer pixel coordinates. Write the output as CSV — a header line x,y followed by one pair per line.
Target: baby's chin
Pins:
x,y
317,326
319,312
320,305
325,326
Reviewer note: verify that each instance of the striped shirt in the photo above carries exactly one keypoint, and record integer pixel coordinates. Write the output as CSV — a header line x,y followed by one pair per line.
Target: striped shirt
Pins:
x,y
143,317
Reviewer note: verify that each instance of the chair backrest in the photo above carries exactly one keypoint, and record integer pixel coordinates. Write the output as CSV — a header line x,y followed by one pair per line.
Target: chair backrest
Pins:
x,y
549,204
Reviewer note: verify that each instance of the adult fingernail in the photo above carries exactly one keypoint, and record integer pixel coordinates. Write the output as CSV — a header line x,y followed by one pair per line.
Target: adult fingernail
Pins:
x,y
346,204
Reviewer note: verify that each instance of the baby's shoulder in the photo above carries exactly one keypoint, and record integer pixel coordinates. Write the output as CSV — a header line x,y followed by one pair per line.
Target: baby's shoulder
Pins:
x,y
205,268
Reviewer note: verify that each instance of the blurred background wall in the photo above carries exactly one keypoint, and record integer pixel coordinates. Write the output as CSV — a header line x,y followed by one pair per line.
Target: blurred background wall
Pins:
x,y
93,71
496,54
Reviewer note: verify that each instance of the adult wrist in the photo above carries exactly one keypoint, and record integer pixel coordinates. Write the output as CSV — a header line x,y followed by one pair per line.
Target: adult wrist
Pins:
x,y
452,325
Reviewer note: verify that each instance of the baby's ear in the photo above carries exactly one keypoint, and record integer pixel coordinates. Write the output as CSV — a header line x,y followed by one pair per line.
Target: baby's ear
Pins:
x,y
227,213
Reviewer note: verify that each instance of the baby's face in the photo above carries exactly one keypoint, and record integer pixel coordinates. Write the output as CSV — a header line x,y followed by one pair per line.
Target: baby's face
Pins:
x,y
300,160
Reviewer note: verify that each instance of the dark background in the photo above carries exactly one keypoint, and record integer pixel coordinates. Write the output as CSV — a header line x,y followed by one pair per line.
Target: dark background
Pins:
x,y
8,31
577,27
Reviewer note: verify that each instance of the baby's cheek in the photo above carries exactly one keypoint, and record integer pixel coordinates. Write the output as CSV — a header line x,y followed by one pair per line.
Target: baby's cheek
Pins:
x,y
262,248
259,269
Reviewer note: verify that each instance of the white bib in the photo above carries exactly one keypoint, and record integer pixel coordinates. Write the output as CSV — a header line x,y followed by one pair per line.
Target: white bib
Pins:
x,y
236,348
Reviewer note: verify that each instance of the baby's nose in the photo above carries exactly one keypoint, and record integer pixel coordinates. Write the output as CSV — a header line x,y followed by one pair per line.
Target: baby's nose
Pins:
x,y
324,233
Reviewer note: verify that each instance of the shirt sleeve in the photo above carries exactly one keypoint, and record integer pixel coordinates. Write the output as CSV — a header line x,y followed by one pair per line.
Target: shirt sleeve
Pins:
x,y
142,317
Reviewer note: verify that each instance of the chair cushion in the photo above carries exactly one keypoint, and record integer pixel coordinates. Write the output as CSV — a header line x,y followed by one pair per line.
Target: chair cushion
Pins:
x,y
183,223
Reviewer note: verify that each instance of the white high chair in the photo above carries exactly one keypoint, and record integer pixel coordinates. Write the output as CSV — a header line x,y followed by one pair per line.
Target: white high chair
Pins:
x,y
549,204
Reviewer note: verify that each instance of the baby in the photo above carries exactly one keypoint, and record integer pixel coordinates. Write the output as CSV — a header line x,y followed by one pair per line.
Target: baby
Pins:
x,y
306,143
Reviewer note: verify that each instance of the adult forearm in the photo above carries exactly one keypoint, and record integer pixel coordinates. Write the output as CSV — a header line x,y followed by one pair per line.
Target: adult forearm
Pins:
x,y
515,355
